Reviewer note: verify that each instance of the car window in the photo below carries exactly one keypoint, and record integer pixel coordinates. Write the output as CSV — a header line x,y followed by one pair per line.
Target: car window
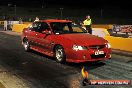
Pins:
x,y
39,27
32,27
65,27
44,26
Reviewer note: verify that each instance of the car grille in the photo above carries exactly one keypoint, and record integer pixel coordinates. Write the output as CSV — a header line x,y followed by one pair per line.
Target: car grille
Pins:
x,y
96,46
97,56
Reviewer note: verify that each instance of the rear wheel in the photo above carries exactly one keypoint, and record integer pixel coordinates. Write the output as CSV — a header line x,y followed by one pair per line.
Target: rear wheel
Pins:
x,y
26,45
60,54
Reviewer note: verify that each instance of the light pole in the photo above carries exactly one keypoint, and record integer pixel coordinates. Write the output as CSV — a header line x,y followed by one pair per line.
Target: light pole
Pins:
x,y
42,3
101,12
61,12
15,9
8,8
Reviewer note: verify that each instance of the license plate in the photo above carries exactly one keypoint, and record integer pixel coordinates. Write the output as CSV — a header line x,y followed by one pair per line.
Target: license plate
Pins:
x,y
99,52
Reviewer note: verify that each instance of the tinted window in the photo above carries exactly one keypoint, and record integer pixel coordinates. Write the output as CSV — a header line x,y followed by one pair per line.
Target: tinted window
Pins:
x,y
39,27
44,26
32,27
66,27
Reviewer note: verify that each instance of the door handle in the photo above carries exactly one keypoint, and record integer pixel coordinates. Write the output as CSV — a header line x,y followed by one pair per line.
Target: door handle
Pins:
x,y
52,43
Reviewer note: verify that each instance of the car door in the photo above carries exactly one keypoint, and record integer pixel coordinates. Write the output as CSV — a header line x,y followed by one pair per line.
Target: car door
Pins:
x,y
43,39
31,34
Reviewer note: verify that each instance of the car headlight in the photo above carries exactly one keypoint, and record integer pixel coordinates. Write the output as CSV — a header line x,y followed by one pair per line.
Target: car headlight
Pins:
x,y
76,47
108,45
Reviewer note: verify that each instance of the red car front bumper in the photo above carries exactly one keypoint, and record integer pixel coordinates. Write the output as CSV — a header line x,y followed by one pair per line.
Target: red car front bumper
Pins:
x,y
87,55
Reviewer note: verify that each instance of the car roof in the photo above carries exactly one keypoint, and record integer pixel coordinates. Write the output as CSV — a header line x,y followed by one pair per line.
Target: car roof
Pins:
x,y
55,20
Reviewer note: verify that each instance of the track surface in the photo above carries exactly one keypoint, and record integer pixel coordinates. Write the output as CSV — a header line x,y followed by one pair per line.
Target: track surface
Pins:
x,y
43,72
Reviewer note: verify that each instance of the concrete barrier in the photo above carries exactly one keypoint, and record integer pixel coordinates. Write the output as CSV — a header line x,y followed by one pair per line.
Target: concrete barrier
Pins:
x,y
115,42
107,26
100,32
27,22
19,27
1,22
120,43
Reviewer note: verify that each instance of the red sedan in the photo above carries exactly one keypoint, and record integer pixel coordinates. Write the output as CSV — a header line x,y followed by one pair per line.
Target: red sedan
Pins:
x,y
65,41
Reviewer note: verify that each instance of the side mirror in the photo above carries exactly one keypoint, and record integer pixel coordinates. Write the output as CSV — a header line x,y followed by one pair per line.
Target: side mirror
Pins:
x,y
47,32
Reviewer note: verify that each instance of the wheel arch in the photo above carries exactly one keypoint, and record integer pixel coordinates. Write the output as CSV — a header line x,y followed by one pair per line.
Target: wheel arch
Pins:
x,y
24,39
56,46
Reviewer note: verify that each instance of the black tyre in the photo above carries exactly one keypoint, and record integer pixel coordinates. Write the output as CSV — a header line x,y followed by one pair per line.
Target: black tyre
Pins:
x,y
60,54
26,45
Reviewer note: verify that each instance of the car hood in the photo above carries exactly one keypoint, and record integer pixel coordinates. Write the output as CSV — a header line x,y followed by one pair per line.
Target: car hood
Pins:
x,y
84,39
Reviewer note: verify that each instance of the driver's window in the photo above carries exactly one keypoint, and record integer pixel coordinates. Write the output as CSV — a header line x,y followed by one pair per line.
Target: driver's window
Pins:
x,y
40,26
32,27
37,26
44,26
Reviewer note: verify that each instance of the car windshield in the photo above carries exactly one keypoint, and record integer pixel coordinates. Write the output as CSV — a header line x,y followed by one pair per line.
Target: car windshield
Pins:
x,y
66,28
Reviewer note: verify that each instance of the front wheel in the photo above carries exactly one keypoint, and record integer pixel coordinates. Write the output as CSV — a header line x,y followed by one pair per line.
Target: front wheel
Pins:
x,y
60,54
26,45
